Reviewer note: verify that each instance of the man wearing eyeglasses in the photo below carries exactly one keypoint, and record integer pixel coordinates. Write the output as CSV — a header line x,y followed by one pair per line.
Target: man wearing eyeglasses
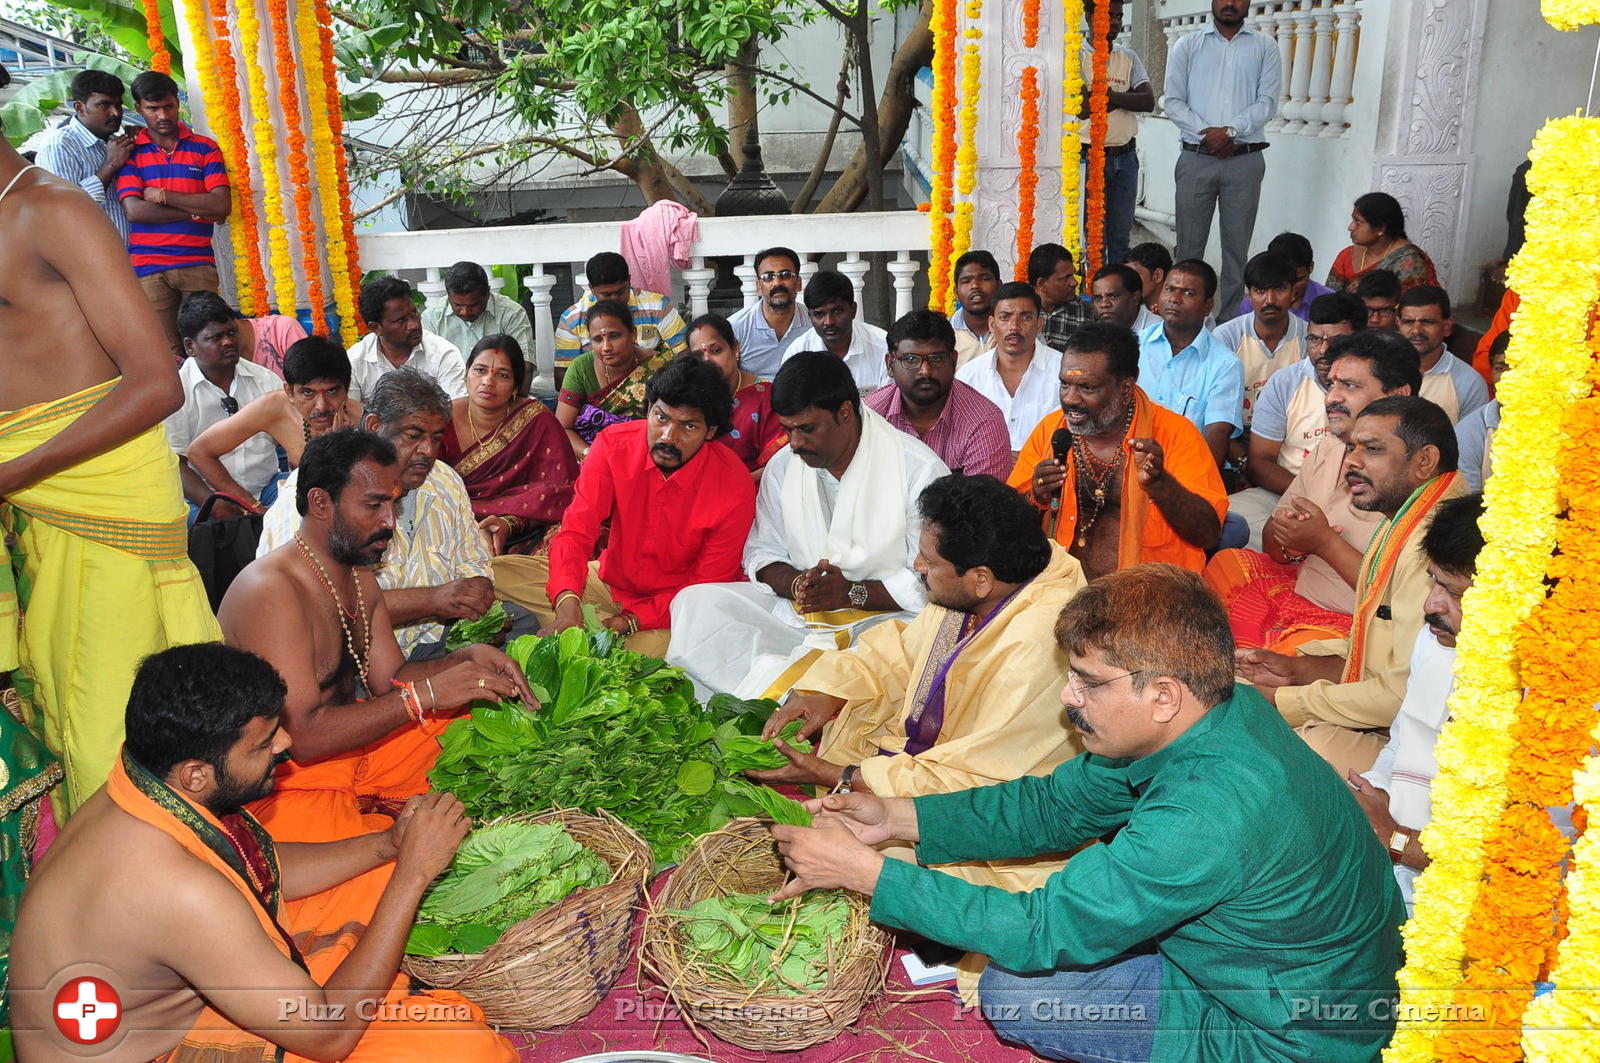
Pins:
x,y
1243,908
216,383
769,325
927,402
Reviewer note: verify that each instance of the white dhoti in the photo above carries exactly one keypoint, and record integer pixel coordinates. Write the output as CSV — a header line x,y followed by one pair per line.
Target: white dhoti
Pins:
x,y
742,639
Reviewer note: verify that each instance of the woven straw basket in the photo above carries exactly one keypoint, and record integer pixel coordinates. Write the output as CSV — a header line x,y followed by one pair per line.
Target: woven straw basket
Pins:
x,y
742,858
554,967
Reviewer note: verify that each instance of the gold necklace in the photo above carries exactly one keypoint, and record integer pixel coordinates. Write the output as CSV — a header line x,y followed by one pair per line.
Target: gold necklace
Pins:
x,y
360,658
1090,471
477,440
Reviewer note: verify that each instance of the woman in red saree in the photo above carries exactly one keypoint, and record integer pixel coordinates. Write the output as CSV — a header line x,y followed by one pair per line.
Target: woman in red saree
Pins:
x,y
510,450
756,434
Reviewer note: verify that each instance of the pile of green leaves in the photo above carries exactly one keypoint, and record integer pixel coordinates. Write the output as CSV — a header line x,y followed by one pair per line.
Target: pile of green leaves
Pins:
x,y
743,940
487,628
501,875
742,752
617,731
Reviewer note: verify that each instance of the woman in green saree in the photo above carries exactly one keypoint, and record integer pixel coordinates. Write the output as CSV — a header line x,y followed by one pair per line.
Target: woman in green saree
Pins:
x,y
605,385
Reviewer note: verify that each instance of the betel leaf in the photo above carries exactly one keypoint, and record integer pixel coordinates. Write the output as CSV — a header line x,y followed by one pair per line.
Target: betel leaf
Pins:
x,y
473,938
487,628
741,752
696,777
747,799
426,939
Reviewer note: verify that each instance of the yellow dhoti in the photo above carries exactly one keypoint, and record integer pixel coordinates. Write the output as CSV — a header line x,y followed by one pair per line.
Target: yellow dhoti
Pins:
x,y
99,578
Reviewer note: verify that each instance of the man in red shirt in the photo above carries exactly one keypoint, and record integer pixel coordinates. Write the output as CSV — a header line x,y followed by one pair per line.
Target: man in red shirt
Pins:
x,y
174,188
679,513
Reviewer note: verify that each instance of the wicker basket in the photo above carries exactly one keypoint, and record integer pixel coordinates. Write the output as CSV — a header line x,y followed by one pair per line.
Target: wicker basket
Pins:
x,y
742,858
554,967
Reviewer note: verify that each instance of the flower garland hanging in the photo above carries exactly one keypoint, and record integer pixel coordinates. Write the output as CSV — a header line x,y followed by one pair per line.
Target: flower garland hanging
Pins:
x,y
940,283
967,155
288,61
156,36
1095,214
1027,164
320,96
347,283
266,144
250,277
1571,14
1549,359
1071,142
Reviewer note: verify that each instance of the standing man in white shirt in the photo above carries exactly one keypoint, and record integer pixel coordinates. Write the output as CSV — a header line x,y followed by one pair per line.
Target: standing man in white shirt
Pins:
x,y
90,147
1019,373
216,383
471,310
1222,87
398,339
830,299
767,326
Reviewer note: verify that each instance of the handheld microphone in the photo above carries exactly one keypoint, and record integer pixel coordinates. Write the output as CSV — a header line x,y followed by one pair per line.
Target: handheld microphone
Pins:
x,y
1061,442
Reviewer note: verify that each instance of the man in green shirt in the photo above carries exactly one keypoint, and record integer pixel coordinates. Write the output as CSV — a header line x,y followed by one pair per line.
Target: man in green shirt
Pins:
x,y
1243,909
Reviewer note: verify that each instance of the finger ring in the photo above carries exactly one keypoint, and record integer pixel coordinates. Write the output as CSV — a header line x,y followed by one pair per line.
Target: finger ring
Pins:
x,y
483,683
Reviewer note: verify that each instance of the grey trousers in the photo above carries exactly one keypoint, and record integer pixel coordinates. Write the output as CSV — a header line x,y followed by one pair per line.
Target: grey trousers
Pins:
x,y
1232,189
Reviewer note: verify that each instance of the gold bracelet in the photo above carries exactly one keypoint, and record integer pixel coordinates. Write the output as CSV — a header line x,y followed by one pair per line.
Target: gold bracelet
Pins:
x,y
563,596
633,624
794,586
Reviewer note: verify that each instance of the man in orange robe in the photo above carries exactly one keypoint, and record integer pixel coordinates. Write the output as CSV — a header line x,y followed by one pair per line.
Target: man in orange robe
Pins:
x,y
170,895
1120,480
363,722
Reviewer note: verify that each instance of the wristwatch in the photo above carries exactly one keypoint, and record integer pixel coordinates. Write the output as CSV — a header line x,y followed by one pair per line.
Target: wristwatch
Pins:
x,y
858,595
846,777
1233,134
1397,845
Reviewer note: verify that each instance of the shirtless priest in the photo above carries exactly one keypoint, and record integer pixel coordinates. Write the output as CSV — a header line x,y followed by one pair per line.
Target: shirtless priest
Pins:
x,y
166,892
363,723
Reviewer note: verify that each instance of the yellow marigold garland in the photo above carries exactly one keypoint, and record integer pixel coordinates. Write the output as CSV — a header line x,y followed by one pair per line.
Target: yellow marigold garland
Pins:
x,y
1549,360
227,125
1071,104
287,63
266,140
1571,14
320,96
156,37
940,283
967,154
1028,167
347,283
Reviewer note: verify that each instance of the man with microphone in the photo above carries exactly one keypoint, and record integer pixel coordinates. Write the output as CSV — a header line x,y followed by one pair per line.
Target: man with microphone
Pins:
x,y
1120,480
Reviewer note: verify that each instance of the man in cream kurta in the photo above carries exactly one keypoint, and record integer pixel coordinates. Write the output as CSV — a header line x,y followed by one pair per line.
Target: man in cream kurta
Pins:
x,y
844,508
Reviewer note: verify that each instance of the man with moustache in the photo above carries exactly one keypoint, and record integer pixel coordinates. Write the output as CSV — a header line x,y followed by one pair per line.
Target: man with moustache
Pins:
x,y
927,402
767,327
1182,365
1269,337
1396,792
363,722
1302,587
1116,295
678,511
1136,481
1448,382
90,147
217,383
830,299
437,570
1222,86
164,887
836,534
397,340
1018,372
1220,874
1341,695
1151,261
977,276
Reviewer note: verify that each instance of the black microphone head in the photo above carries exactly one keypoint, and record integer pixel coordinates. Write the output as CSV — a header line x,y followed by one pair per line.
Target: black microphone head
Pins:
x,y
1061,442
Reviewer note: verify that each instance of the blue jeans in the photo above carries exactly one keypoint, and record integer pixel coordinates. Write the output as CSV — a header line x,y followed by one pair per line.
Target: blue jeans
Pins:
x,y
1104,1014
1235,532
1122,193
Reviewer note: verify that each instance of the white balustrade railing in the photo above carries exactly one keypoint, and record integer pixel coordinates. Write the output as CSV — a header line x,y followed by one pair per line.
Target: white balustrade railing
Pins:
x,y
1317,43
422,257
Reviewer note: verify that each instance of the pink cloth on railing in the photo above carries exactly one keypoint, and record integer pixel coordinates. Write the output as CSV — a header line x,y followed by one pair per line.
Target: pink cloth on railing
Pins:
x,y
658,239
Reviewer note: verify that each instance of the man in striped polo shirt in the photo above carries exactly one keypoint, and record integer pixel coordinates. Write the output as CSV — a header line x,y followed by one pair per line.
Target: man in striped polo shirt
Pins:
x,y
174,188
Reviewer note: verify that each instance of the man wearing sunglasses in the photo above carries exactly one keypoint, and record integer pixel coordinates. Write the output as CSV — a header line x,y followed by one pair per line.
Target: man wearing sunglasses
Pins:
x,y
769,325
216,383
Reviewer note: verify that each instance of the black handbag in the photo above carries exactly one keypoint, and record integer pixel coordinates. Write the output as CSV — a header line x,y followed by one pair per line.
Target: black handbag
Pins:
x,y
221,549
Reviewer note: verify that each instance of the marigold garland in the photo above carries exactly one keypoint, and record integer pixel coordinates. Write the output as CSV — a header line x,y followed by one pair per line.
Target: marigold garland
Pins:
x,y
287,63
320,96
1071,125
156,37
227,124
1549,359
347,284
266,145
1028,166
967,155
1030,23
1571,14
940,283
1095,214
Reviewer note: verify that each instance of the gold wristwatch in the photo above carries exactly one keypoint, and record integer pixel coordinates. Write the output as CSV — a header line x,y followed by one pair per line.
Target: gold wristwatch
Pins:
x,y
1397,845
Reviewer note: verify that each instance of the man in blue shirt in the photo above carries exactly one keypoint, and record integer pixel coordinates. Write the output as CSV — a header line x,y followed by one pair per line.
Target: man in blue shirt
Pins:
x,y
90,147
1184,368
1221,88
767,326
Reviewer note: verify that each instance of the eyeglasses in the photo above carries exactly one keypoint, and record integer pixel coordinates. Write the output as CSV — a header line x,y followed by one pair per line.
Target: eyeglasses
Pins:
x,y
933,361
778,275
230,405
1080,689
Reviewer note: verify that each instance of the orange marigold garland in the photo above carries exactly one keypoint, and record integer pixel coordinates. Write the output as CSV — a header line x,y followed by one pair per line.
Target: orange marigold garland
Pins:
x,y
156,37
299,172
227,123
1027,163
320,96
346,285
940,283
1095,212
